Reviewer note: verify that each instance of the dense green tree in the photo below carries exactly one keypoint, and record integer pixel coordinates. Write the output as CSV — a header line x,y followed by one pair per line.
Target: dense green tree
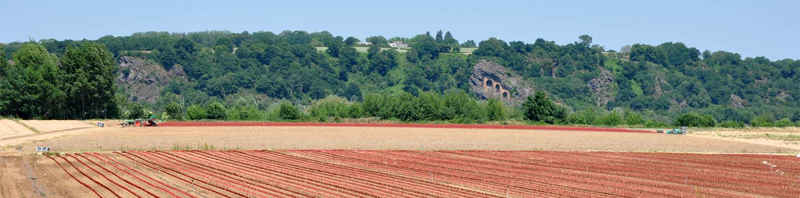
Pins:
x,y
383,61
334,49
287,111
216,111
89,81
695,120
496,110
439,37
425,48
196,112
351,41
33,89
174,111
136,111
349,59
379,41
469,43
540,108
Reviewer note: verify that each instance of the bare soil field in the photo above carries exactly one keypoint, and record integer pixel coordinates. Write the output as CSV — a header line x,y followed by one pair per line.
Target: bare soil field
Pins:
x,y
783,137
10,128
390,138
13,134
45,126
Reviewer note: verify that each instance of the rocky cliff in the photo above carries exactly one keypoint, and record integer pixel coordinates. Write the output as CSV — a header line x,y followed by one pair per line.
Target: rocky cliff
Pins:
x,y
492,80
143,79
601,88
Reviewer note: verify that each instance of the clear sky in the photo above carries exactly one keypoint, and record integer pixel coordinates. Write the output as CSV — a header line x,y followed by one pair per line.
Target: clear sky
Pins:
x,y
768,28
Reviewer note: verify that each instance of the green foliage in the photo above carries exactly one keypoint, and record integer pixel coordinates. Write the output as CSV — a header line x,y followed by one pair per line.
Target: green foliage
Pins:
x,y
763,121
732,124
196,112
584,117
695,120
612,118
784,123
331,106
540,108
355,111
654,124
496,110
32,87
633,118
247,112
136,111
174,111
287,111
75,79
216,111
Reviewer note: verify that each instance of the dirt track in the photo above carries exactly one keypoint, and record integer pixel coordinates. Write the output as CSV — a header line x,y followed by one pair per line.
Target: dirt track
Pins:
x,y
165,138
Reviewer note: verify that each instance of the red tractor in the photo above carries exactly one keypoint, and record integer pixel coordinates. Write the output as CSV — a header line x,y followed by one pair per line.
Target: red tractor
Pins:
x,y
140,122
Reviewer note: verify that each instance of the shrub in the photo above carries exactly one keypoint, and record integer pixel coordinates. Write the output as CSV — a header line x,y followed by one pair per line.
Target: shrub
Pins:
x,y
174,111
196,112
763,121
372,105
331,106
708,120
431,106
245,113
287,111
586,117
495,110
407,109
654,124
136,111
216,111
611,118
459,106
633,118
732,124
784,123
695,120
354,111
541,108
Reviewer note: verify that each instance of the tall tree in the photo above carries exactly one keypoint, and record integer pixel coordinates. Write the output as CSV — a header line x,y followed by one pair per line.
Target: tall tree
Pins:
x,y
89,81
351,41
540,108
36,93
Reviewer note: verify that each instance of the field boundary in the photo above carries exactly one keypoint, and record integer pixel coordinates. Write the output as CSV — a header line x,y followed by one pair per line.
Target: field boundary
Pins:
x,y
452,126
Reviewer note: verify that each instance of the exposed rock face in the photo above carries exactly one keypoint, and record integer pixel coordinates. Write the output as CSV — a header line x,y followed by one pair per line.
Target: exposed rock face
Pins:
x,y
492,80
737,101
143,79
600,88
782,96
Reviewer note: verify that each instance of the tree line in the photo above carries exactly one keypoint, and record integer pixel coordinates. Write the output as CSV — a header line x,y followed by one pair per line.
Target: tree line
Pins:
x,y
655,85
79,84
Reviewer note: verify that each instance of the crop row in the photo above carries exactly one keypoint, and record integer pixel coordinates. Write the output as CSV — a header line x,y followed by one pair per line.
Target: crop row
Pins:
x,y
365,173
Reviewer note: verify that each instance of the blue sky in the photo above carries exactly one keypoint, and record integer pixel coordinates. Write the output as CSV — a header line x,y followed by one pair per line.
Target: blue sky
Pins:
x,y
768,28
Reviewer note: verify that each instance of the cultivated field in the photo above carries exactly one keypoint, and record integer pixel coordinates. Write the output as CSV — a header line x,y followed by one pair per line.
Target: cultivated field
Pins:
x,y
219,159
10,128
392,138
45,126
368,173
14,134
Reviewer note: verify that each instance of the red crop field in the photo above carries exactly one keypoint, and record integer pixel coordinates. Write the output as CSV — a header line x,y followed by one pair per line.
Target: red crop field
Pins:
x,y
369,173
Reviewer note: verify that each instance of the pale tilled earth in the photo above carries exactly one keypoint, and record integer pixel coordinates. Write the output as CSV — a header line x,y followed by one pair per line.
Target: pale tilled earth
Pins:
x,y
382,138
